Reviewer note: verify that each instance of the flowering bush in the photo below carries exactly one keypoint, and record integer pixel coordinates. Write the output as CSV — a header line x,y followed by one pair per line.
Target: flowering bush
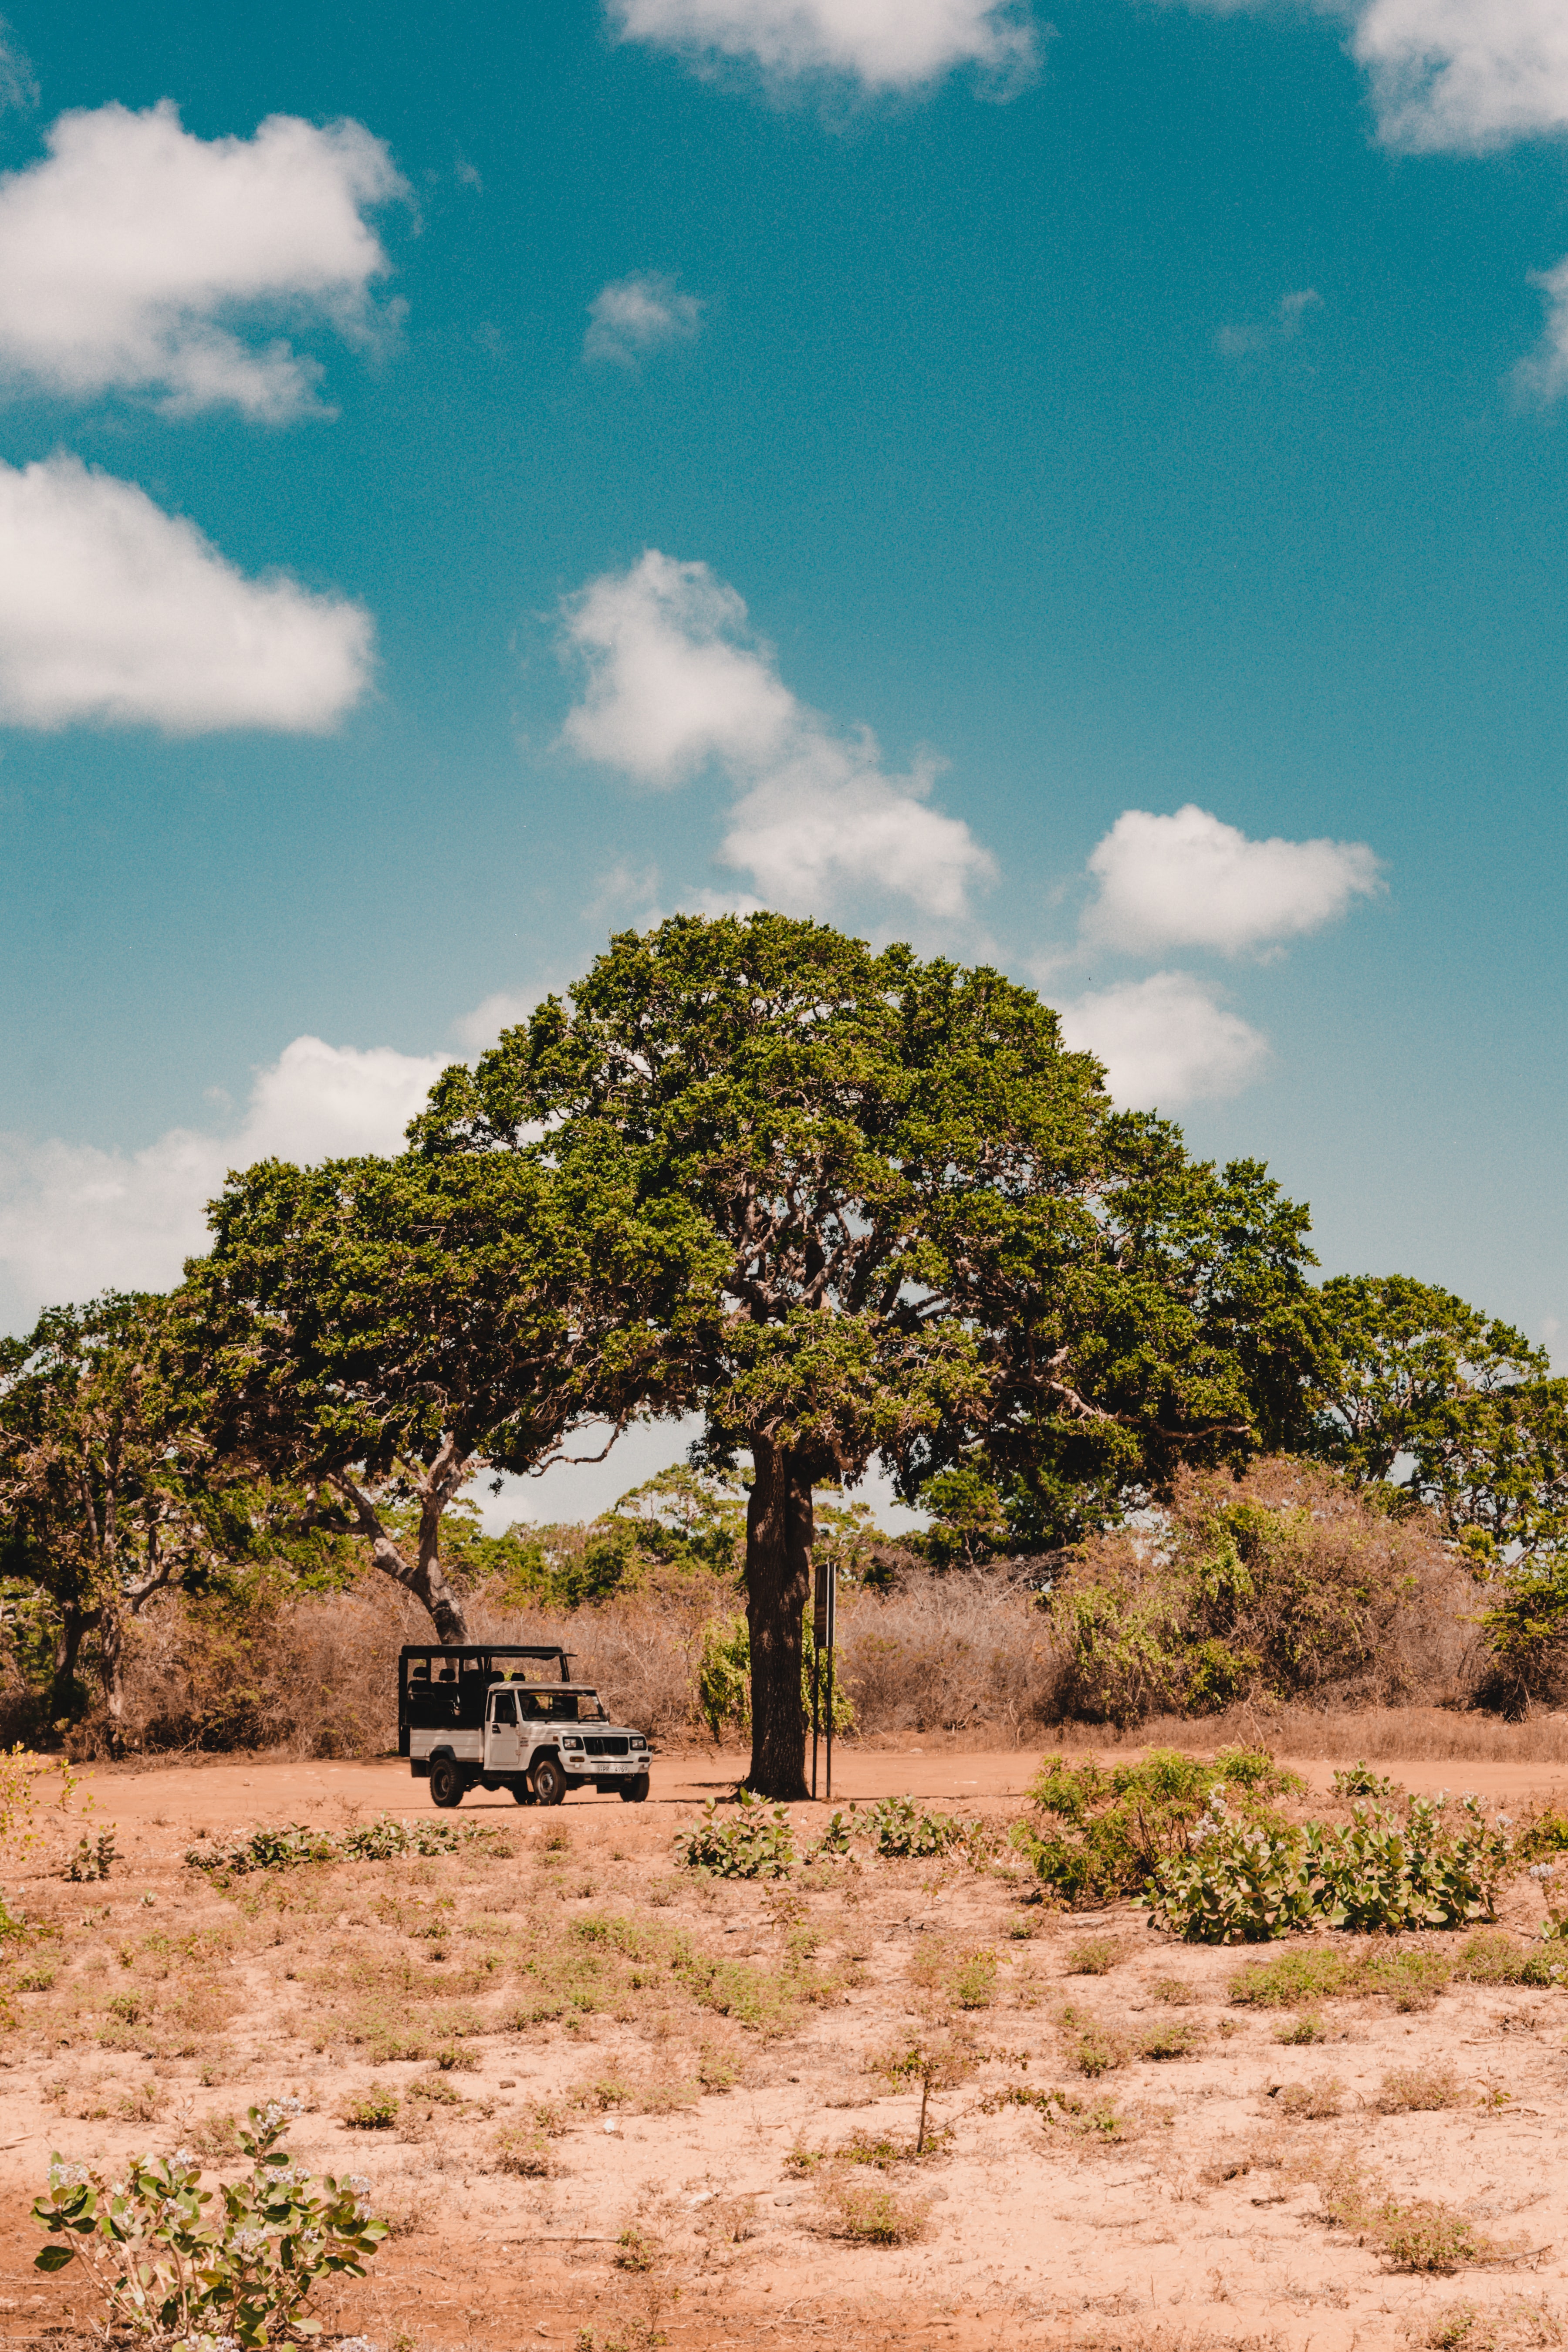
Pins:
x,y
1239,1882
758,1844
203,2270
1381,1872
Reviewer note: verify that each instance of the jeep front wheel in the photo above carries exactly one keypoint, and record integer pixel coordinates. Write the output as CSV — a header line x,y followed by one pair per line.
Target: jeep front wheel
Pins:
x,y
549,1782
445,1781
635,1792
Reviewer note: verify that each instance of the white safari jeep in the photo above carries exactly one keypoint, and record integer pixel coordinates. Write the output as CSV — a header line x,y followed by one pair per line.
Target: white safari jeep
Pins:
x,y
469,1718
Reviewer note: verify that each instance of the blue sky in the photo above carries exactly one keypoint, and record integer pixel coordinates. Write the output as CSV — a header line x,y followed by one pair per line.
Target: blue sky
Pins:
x,y
492,504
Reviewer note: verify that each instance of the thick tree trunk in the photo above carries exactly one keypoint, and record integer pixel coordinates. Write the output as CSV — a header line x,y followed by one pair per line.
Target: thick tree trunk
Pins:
x,y
111,1671
778,1579
74,1623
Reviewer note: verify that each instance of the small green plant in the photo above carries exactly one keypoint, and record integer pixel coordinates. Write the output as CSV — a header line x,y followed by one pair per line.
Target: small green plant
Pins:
x,y
286,1847
634,2252
902,1831
94,1857
972,1982
1360,1780
1095,1956
180,2267
833,1843
1176,1992
453,2059
1294,1980
1094,2047
759,1843
1302,2030
1177,2039
937,2064
523,2150
375,2110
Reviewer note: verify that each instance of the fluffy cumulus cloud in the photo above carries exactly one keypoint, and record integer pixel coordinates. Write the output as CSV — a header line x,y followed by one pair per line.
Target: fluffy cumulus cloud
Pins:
x,y
882,44
1164,1042
1188,880
132,253
116,613
675,684
75,1220
637,315
1465,74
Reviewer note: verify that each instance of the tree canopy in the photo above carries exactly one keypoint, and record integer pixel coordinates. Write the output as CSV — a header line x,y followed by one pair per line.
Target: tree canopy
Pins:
x,y
376,1332
932,1236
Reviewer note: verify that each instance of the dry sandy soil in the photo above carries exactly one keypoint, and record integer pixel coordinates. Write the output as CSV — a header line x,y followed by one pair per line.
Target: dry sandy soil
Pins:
x,y
681,2059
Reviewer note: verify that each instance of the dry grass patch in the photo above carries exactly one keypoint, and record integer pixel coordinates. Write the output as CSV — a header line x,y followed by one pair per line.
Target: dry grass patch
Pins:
x,y
1095,1956
1309,2102
1418,2090
870,2213
1520,2324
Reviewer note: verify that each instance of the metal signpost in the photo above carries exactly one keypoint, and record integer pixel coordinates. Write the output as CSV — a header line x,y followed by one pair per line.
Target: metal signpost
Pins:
x,y
824,1618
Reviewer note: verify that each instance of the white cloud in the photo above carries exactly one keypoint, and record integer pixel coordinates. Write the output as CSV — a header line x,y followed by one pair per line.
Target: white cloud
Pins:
x,y
128,252
1165,1041
18,83
674,684
75,1220
479,1030
883,45
1187,880
640,314
1544,374
1465,74
116,613
1283,326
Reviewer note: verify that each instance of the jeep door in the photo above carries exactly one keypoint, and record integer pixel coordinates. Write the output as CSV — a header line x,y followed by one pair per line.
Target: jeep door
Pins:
x,y
502,1750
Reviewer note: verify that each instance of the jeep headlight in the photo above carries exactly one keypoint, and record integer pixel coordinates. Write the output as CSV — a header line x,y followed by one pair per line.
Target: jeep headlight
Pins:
x,y
639,1743
570,1742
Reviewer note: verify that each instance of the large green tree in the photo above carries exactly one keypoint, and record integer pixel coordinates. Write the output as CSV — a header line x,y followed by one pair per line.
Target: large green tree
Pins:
x,y
111,1490
932,1236
372,1333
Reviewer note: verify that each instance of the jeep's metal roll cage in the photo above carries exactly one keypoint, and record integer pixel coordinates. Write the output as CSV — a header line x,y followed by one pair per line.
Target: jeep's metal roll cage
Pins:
x,y
455,1679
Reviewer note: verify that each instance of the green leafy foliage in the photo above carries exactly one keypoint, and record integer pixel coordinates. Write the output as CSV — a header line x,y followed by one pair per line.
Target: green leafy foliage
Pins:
x,y
287,1846
1240,1881
1421,1872
757,1842
1109,1830
900,1829
724,1680
916,1197
179,2265
1286,1583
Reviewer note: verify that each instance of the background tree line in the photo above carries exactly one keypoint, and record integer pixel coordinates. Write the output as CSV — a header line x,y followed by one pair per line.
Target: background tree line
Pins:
x,y
841,1206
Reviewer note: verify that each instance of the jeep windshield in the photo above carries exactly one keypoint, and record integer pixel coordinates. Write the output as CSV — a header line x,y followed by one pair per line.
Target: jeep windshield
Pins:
x,y
550,1705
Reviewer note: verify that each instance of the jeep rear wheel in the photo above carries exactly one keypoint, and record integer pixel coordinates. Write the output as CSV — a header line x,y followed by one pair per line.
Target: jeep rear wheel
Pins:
x,y
635,1792
549,1782
445,1781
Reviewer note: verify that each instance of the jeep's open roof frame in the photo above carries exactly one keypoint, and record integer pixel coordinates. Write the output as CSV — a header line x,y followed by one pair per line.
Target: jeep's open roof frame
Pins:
x,y
490,1649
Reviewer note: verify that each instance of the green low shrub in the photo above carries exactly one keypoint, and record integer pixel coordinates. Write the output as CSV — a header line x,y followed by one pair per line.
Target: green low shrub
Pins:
x,y
758,1842
900,1830
1110,1831
181,2266
292,1844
